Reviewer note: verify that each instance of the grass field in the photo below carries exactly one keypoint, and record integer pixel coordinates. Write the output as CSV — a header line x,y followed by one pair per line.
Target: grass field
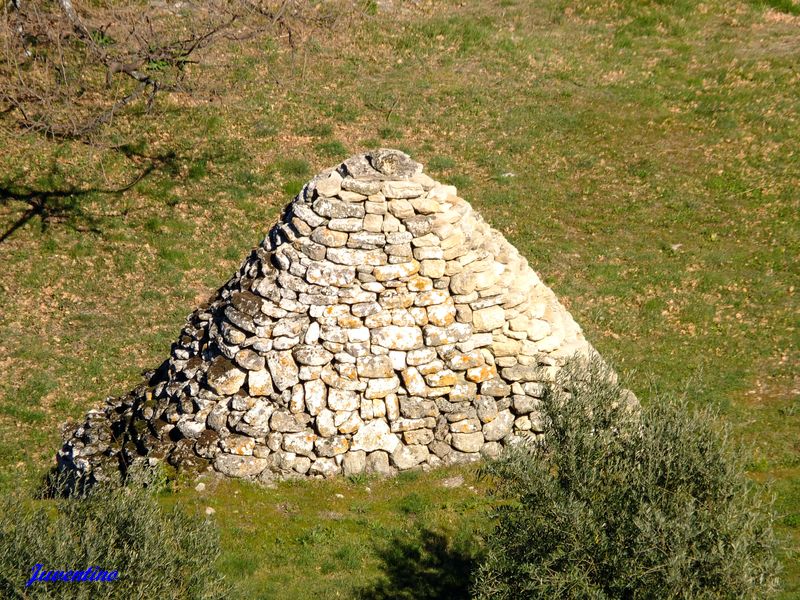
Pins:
x,y
642,155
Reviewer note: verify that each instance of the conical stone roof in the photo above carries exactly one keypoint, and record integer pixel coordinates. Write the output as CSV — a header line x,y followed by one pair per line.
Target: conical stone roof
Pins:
x,y
381,325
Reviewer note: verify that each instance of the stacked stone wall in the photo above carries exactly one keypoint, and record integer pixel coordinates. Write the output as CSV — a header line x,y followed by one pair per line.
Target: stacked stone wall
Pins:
x,y
381,325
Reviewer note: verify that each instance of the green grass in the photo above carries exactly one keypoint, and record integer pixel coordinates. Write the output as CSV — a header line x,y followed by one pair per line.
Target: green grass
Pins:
x,y
641,155
300,540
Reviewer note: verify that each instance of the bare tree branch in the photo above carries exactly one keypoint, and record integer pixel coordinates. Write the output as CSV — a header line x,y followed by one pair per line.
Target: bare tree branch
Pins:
x,y
67,71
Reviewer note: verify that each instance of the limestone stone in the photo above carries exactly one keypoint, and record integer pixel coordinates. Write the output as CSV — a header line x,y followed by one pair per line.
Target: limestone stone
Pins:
x,y
391,224
239,466
224,377
422,241
393,163
426,205
407,457
297,400
349,225
463,392
349,196
392,407
283,369
401,189
468,442
491,449
373,223
417,408
325,467
439,336
378,463
376,205
400,208
393,337
536,390
316,395
259,383
495,387
364,188
375,435
343,399
330,185
355,463
401,425
441,378
420,356
486,407
440,448
499,427
328,237
300,443
396,271
487,319
414,382
328,274
331,446
351,424
336,209
523,423
481,373
380,387
465,426
326,426
355,257
432,268
374,366
285,422
460,361
250,360
418,225
418,436
524,404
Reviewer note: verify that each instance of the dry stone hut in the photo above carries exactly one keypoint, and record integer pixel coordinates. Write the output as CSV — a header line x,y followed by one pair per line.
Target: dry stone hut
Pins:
x,y
381,325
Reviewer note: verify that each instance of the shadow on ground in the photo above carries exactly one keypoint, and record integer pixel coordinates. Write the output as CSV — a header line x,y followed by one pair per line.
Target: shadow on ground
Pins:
x,y
60,201
423,565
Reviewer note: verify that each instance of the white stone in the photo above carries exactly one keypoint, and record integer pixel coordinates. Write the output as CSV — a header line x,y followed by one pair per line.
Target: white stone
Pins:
x,y
325,425
375,366
315,396
414,382
421,356
499,427
351,424
342,399
331,185
407,457
312,333
299,443
396,271
381,387
326,467
468,442
488,319
394,337
401,189
355,463
259,383
375,435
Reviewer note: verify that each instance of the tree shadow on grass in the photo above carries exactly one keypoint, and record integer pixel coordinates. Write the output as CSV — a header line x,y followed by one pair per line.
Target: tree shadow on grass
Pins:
x,y
58,201
424,565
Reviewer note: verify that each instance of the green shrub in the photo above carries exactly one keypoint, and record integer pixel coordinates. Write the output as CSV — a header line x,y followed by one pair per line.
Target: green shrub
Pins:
x,y
617,502
157,553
